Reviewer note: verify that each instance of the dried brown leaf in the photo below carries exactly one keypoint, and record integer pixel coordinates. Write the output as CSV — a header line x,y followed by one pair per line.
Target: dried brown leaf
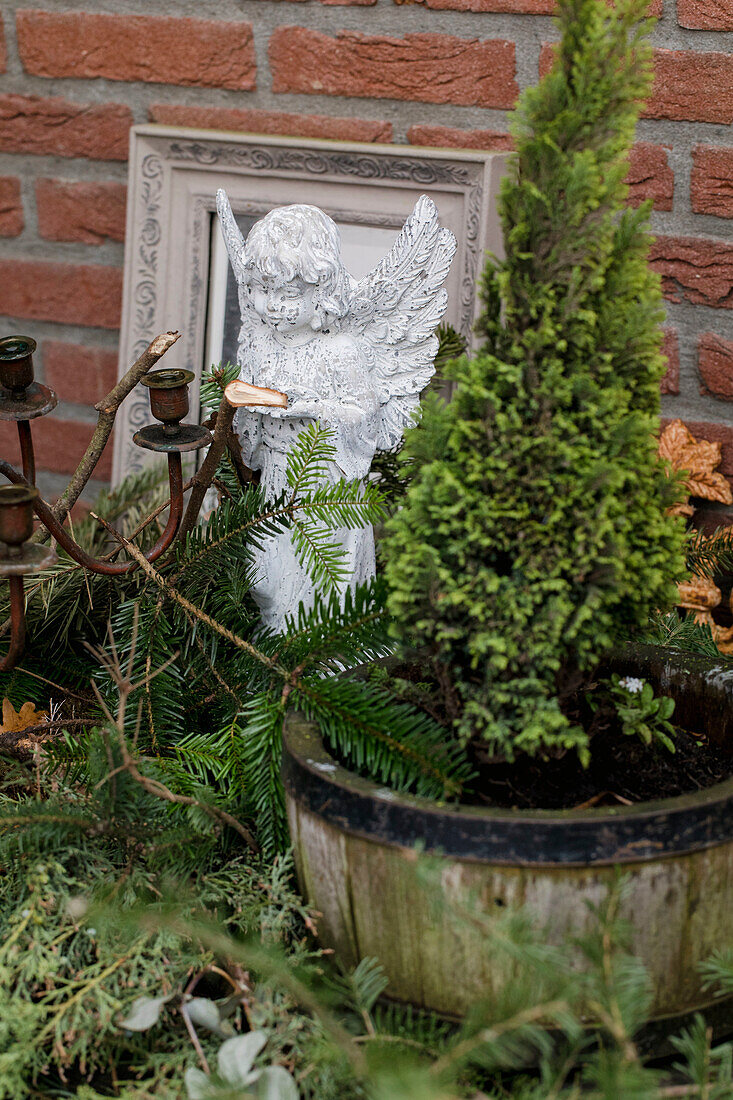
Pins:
x,y
14,721
698,460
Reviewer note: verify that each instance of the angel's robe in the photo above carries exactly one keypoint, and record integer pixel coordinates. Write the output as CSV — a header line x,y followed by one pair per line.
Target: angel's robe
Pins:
x,y
333,372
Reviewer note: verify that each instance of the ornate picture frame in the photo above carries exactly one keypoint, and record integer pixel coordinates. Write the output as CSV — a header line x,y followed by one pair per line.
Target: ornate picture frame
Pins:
x,y
175,270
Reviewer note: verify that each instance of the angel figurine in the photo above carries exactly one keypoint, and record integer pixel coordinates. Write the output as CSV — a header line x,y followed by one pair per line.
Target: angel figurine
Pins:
x,y
353,356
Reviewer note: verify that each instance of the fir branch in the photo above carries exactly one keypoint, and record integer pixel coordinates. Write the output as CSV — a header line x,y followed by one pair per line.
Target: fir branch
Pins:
x,y
171,593
324,558
401,746
710,554
129,765
308,458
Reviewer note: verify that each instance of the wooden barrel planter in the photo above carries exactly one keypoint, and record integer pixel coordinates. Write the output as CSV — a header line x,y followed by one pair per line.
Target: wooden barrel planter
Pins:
x,y
356,846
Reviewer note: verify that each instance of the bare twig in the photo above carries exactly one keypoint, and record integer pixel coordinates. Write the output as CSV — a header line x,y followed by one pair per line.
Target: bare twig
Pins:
x,y
194,1038
243,472
197,613
107,409
12,742
125,688
202,480
159,790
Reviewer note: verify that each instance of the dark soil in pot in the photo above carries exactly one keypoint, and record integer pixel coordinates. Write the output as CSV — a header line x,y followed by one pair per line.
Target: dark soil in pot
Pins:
x,y
622,770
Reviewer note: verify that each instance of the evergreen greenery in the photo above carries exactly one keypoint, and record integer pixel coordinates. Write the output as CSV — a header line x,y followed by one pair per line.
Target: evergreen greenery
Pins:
x,y
211,686
534,533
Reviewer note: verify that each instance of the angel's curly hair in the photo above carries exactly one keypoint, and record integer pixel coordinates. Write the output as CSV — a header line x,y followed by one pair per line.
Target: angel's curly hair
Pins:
x,y
301,241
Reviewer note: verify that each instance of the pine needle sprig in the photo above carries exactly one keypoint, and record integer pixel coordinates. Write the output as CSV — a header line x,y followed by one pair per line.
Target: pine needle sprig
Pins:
x,y
394,743
710,554
338,633
683,632
308,459
214,382
262,723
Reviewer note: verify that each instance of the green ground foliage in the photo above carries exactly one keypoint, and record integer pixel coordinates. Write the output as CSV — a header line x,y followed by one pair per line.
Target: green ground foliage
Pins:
x,y
534,534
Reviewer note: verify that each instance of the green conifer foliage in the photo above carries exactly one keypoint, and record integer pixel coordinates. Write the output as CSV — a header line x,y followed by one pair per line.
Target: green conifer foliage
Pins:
x,y
534,534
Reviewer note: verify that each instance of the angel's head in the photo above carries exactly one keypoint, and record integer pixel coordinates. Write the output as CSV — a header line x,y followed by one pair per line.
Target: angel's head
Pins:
x,y
294,277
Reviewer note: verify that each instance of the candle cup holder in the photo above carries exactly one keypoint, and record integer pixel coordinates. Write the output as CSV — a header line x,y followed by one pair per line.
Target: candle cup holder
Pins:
x,y
21,397
169,404
16,363
16,527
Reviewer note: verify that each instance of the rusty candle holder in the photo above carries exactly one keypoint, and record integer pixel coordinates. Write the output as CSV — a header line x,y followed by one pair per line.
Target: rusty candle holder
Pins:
x,y
169,404
22,399
17,559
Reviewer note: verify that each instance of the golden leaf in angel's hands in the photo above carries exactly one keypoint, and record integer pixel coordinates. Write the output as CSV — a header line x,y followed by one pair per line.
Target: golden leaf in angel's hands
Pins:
x,y
698,460
14,721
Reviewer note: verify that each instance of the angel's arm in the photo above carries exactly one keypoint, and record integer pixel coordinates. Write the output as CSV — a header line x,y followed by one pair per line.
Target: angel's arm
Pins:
x,y
350,397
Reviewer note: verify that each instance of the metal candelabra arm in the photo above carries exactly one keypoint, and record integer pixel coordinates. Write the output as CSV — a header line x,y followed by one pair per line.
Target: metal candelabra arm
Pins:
x,y
22,399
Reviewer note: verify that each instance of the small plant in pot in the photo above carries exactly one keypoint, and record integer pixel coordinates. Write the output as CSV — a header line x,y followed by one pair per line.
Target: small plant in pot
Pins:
x,y
524,558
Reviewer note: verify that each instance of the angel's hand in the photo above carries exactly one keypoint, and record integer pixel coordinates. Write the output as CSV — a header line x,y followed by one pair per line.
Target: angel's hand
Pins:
x,y
301,407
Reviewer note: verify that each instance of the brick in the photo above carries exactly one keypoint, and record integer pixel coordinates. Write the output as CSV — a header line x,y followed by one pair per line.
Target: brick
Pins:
x,y
705,15
692,87
87,212
520,7
715,362
11,207
713,433
517,7
158,50
650,176
697,269
58,446
345,3
271,122
3,50
711,184
56,127
670,384
72,294
547,56
431,68
78,373
447,137
688,86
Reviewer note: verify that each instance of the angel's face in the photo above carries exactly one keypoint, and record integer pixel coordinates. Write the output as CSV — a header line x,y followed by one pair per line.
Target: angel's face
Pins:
x,y
287,307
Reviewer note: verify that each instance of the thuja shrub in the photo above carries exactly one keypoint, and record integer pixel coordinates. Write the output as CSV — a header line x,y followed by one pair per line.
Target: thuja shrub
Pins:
x,y
534,533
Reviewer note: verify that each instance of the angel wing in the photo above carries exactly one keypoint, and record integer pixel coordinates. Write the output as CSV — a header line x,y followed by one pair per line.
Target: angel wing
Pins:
x,y
396,309
231,233
234,242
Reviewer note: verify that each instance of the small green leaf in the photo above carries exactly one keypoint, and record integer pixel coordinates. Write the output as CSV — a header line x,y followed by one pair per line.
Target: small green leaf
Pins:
x,y
198,1086
275,1083
144,1013
666,707
203,1012
237,1055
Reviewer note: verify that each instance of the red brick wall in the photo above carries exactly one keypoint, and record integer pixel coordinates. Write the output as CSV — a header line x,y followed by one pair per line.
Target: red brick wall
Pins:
x,y
427,72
